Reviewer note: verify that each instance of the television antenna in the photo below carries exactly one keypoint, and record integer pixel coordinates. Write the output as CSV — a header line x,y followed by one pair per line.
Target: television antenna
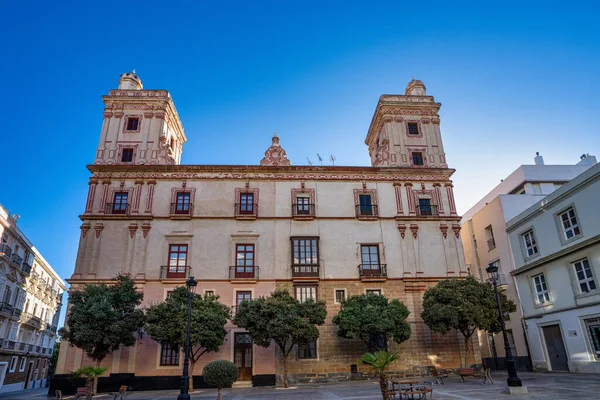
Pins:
x,y
332,159
320,159
309,162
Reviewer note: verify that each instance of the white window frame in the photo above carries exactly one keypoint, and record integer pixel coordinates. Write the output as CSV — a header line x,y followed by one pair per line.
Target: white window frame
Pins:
x,y
303,293
22,364
374,290
573,224
13,364
533,245
334,297
544,292
588,276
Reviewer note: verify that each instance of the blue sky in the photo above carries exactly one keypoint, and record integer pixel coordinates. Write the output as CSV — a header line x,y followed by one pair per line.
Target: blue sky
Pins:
x,y
513,78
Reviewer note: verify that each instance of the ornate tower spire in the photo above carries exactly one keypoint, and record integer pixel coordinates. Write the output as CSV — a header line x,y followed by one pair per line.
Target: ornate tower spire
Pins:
x,y
275,155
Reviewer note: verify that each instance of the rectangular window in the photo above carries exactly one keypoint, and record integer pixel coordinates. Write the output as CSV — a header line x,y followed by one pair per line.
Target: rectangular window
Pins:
x,y
244,261
8,296
492,344
304,293
530,243
369,257
13,363
373,291
169,354
308,350
413,128
425,207
22,364
127,155
120,203
209,292
365,204
569,224
242,296
246,203
541,289
511,342
585,279
182,205
417,158
177,261
132,123
593,330
340,295
303,205
305,251
489,234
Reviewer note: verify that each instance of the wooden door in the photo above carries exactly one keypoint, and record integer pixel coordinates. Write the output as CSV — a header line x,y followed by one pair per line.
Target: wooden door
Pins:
x,y
556,348
243,356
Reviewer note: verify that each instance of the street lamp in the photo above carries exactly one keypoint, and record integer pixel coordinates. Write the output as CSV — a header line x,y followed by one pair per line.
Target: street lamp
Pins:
x,y
512,380
184,382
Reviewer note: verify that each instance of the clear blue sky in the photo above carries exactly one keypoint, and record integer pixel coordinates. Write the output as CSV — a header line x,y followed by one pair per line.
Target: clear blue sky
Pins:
x,y
513,79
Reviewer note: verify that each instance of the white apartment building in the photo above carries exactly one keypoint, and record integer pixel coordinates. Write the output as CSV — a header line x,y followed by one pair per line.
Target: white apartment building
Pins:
x,y
556,249
31,299
485,242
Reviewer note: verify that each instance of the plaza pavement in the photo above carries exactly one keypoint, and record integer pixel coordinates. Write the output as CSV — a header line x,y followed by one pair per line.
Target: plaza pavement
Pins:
x,y
560,386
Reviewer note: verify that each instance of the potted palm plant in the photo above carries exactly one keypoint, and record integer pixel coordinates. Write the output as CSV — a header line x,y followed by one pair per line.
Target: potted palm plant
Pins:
x,y
380,361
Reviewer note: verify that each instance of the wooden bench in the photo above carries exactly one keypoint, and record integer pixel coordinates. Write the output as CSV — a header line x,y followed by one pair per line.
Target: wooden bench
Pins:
x,y
121,394
439,376
466,373
81,393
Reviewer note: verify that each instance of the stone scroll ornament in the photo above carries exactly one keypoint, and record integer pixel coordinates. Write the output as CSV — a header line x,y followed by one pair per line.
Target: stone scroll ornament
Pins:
x,y
275,155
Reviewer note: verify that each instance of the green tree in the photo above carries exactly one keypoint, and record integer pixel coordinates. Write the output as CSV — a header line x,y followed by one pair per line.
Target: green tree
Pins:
x,y
54,359
102,318
380,361
220,373
282,319
91,375
373,319
166,322
465,305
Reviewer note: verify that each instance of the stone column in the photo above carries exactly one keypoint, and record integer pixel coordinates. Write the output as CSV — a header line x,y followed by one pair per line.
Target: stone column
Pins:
x,y
105,184
450,194
150,196
91,192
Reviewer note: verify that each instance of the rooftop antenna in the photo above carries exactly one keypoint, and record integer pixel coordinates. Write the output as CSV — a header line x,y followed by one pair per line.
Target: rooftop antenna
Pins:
x,y
309,162
332,159
134,71
320,159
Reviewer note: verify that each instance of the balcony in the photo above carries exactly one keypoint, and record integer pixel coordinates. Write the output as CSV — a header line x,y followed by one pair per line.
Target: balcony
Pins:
x,y
30,348
303,211
246,211
491,244
9,345
21,346
117,209
424,210
5,251
6,308
367,212
17,312
38,349
243,273
372,272
181,210
305,271
169,272
31,320
33,277
17,260
25,269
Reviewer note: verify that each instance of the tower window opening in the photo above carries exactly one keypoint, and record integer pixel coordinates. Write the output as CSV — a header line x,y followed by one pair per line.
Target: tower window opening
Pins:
x,y
417,158
127,155
133,123
413,128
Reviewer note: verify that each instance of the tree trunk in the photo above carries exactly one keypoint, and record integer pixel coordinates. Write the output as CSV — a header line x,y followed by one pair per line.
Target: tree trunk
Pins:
x,y
285,372
383,385
95,388
219,393
467,347
89,384
191,382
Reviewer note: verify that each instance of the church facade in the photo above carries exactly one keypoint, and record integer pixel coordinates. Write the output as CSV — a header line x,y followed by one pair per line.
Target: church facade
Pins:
x,y
325,232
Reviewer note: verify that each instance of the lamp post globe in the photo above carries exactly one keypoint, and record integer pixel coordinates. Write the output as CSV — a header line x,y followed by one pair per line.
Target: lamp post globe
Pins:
x,y
513,379
184,382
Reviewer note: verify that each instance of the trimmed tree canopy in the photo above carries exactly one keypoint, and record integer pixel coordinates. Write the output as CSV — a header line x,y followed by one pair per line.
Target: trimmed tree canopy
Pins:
x,y
102,318
220,373
372,316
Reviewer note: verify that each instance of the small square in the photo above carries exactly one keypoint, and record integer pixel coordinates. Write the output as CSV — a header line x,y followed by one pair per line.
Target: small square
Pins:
x,y
417,158
413,128
132,123
127,155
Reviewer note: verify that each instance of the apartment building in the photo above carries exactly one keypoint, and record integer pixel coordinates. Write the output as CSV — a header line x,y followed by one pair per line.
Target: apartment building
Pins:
x,y
322,232
31,293
485,242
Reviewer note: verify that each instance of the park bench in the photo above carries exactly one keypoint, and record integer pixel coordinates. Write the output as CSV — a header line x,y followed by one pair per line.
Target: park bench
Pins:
x,y
439,376
81,392
121,394
466,373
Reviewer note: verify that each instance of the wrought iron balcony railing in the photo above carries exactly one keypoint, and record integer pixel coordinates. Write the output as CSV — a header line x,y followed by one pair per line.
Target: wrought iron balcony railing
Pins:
x,y
367,211
372,270
305,271
303,210
6,308
5,250
117,208
427,211
174,272
26,268
246,210
243,272
182,209
16,259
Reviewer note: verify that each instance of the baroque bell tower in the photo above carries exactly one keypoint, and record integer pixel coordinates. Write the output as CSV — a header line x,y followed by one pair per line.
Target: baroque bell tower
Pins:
x,y
140,126
405,130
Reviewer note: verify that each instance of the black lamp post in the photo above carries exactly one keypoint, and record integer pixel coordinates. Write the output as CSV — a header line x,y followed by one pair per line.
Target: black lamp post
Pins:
x,y
513,379
184,382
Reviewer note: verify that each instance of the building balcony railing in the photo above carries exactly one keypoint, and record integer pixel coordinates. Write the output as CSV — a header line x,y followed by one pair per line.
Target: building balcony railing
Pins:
x,y
182,209
6,308
491,244
31,320
372,271
246,272
246,211
302,210
9,345
30,348
33,277
17,260
367,211
38,349
26,269
174,272
305,271
427,211
5,250
21,346
117,208
17,312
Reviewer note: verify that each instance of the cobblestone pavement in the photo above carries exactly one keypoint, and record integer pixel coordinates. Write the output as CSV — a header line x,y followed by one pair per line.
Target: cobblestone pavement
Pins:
x,y
540,386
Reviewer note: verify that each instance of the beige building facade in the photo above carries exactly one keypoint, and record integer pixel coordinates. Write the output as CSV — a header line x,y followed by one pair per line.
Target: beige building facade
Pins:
x,y
485,242
31,294
325,232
